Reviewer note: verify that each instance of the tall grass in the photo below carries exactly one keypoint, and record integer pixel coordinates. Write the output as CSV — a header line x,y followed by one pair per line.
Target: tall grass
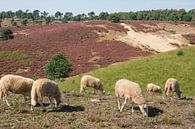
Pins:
x,y
153,69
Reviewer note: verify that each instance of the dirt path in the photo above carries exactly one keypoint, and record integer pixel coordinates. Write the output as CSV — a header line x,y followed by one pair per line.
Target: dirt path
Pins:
x,y
159,42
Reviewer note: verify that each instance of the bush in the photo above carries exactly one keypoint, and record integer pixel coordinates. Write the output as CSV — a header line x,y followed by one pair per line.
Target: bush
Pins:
x,y
180,53
6,34
58,67
114,18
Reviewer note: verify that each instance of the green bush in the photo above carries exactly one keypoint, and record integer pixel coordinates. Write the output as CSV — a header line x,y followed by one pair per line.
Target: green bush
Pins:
x,y
114,18
180,53
58,67
6,34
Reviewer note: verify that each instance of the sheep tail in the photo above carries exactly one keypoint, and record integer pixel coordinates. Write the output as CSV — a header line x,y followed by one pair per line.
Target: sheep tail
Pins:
x,y
34,97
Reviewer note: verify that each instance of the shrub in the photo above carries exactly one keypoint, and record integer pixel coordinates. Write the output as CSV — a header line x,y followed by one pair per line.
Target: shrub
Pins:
x,y
114,18
191,42
6,34
180,53
58,67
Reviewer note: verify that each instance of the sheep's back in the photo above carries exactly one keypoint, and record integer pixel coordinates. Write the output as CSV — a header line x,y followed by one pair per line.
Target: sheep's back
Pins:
x,y
46,87
127,88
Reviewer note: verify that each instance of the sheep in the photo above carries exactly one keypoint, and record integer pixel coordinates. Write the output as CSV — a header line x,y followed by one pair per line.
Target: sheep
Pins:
x,y
45,88
128,89
172,85
15,84
90,81
153,88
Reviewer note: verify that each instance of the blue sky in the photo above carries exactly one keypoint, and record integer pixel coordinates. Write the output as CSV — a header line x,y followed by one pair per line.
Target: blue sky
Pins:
x,y
85,6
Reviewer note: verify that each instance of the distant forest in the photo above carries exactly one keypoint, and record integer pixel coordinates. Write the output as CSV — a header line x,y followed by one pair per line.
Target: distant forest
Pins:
x,y
162,15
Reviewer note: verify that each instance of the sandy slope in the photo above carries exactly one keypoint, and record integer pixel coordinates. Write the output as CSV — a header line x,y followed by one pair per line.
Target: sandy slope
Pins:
x,y
158,41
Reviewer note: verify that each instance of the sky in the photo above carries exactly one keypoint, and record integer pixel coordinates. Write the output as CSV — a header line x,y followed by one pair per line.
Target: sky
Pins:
x,y
85,6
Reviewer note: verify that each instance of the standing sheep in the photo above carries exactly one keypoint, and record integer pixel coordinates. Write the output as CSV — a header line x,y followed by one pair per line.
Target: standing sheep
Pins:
x,y
45,88
127,89
90,81
153,88
15,84
172,85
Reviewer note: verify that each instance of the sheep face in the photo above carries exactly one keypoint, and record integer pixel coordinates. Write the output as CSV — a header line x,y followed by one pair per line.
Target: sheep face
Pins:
x,y
179,94
144,109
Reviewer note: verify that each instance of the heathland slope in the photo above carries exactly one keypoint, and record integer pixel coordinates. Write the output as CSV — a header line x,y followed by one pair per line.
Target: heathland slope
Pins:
x,y
89,45
153,69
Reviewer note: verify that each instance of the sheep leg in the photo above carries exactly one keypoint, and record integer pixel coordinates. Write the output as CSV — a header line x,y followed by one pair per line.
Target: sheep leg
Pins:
x,y
81,89
32,108
94,91
50,100
123,105
132,107
6,101
118,101
25,100
55,103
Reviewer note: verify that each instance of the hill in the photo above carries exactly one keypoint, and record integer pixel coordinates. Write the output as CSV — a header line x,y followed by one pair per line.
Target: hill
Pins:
x,y
89,45
153,69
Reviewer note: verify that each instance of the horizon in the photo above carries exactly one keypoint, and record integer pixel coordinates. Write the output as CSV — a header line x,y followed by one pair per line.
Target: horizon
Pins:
x,y
96,6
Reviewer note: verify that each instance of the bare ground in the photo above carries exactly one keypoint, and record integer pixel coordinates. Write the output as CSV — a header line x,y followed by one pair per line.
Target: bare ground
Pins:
x,y
78,111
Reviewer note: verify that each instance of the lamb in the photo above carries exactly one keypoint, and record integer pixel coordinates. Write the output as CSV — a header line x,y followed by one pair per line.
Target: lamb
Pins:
x,y
127,89
153,88
90,81
45,88
172,85
15,84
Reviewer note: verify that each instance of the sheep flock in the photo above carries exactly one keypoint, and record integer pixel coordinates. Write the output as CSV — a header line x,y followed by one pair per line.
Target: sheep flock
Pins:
x,y
124,89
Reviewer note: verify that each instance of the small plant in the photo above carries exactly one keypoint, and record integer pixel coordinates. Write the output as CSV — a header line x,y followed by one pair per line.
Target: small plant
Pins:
x,y
180,53
191,42
6,34
58,67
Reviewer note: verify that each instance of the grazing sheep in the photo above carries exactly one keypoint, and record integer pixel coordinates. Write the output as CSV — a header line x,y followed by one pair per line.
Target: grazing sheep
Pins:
x,y
90,81
15,84
153,88
127,89
172,85
45,88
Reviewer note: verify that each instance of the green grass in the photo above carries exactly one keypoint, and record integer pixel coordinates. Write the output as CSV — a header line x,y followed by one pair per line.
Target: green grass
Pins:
x,y
22,57
153,69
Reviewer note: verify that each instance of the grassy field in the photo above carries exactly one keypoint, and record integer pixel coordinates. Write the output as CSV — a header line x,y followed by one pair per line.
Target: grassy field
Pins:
x,y
153,69
79,111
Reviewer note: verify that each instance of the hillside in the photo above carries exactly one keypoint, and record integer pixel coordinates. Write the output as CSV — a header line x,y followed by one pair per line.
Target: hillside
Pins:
x,y
153,69
89,45
33,46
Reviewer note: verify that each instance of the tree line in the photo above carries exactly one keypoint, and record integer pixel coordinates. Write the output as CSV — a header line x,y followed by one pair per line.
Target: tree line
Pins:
x,y
162,15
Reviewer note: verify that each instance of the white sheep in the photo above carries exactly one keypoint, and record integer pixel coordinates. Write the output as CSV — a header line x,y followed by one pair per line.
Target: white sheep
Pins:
x,y
153,88
172,85
90,81
15,84
45,88
127,89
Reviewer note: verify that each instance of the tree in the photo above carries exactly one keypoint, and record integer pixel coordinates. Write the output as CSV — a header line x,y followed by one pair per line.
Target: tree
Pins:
x,y
36,14
91,15
77,17
58,67
58,15
19,14
68,16
103,15
44,14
